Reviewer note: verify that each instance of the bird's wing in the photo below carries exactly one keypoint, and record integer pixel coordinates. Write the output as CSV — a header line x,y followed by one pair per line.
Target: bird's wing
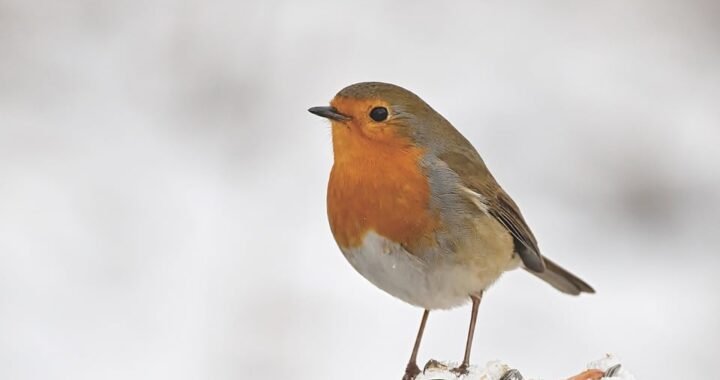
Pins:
x,y
477,178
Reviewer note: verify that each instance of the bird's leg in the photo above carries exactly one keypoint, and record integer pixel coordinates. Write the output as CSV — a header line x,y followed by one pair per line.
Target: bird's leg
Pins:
x,y
462,369
412,368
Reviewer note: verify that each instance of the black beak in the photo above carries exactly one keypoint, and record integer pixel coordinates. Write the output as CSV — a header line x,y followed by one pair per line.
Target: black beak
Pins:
x,y
328,112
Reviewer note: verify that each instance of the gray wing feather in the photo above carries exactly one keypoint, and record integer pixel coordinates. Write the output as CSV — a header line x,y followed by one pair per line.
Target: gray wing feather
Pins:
x,y
475,175
507,213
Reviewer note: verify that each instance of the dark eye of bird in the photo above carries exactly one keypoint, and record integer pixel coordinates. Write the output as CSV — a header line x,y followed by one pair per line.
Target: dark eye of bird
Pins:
x,y
379,113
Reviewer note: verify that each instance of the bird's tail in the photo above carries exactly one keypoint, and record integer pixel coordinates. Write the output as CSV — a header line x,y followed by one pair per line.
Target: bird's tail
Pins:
x,y
562,280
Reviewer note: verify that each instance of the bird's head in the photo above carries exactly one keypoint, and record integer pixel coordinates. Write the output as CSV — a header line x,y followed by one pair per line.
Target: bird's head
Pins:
x,y
378,113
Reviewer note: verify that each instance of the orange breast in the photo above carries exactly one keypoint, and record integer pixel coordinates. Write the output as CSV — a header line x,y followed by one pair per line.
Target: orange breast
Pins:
x,y
380,187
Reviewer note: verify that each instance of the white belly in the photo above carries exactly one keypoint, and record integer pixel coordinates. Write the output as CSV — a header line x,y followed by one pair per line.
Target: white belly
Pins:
x,y
442,283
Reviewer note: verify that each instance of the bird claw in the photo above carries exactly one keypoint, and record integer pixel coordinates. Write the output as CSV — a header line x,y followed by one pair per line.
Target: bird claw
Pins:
x,y
411,371
462,370
512,374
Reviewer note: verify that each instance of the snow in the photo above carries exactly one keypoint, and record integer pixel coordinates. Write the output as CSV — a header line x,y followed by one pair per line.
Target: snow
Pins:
x,y
494,370
609,361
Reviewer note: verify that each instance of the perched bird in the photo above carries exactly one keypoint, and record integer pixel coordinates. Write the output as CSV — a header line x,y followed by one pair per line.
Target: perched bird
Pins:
x,y
415,210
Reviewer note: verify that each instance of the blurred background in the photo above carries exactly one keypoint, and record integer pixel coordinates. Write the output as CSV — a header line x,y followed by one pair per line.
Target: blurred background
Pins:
x,y
162,186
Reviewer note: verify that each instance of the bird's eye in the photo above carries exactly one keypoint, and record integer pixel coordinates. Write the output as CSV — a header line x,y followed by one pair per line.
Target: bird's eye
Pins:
x,y
379,113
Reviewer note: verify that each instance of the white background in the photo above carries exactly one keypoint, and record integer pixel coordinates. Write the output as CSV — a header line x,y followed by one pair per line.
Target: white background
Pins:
x,y
162,186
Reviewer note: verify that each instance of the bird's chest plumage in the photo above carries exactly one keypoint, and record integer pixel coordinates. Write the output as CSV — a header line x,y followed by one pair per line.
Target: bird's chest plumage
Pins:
x,y
380,189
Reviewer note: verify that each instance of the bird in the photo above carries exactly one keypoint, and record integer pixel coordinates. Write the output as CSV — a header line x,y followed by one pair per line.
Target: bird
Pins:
x,y
415,210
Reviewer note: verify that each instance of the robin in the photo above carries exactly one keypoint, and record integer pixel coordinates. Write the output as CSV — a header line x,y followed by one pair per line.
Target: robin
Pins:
x,y
414,209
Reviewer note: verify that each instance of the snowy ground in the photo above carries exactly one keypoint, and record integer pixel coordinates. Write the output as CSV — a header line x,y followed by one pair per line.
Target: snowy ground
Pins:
x,y
162,186
496,370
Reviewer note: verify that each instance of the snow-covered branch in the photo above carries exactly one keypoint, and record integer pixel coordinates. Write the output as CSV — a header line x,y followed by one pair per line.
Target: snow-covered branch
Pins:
x,y
607,368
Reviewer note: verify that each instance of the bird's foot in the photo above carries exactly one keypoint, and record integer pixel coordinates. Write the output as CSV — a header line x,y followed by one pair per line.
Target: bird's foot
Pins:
x,y
461,370
411,371
512,374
